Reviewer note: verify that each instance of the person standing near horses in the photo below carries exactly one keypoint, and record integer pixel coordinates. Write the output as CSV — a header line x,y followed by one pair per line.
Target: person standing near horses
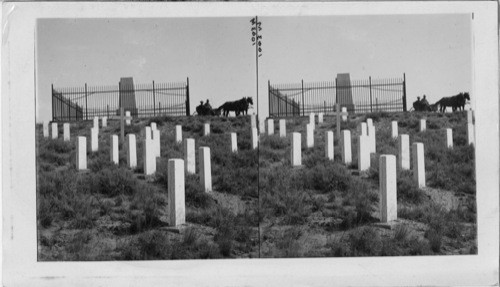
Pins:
x,y
424,101
207,105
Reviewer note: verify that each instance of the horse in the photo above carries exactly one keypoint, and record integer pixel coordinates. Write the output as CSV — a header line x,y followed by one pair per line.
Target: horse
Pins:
x,y
240,106
455,102
419,106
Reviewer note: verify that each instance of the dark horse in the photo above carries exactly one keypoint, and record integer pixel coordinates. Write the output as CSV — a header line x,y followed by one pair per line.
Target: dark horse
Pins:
x,y
203,110
240,106
455,102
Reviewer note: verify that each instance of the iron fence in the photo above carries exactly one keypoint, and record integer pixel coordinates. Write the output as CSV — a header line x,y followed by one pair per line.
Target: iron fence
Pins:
x,y
360,96
142,100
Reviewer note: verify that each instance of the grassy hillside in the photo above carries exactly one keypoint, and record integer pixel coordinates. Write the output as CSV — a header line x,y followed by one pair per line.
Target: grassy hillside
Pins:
x,y
111,212
324,208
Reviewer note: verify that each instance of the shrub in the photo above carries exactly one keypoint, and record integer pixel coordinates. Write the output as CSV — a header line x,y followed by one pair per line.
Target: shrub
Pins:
x,y
407,189
153,245
435,239
364,241
401,233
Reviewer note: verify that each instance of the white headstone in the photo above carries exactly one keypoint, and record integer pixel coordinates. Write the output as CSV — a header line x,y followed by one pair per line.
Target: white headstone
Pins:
x,y
346,147
262,126
344,111
394,129
234,142
423,125
470,119
153,126
149,157
282,128
296,149
362,129
329,145
363,153
94,139
404,152
373,138
320,118
418,164
45,129
96,123
388,204
113,151
312,120
55,131
270,127
131,151
147,133
369,122
176,192
206,129
66,133
189,155
253,121
470,134
205,168
104,121
449,138
310,135
178,133
156,142
255,138
127,121
81,153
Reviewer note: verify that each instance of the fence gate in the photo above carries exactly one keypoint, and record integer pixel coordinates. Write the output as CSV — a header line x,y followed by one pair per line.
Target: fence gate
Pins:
x,y
358,96
142,100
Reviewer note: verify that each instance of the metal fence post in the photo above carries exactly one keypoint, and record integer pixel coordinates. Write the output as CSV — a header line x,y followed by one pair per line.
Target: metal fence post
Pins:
x,y
86,106
187,98
52,86
303,109
371,104
154,100
404,92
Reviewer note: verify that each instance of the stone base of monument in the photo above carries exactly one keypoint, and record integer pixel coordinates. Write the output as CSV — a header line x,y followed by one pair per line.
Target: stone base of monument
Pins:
x,y
388,225
179,229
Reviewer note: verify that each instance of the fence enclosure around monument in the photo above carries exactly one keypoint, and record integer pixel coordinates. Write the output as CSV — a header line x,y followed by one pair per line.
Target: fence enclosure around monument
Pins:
x,y
358,96
142,100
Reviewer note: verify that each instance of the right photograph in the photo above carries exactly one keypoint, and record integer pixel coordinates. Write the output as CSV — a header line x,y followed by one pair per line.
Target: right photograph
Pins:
x,y
366,136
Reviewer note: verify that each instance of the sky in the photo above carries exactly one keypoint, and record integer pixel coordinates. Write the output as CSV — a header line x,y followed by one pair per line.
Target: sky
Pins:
x,y
216,54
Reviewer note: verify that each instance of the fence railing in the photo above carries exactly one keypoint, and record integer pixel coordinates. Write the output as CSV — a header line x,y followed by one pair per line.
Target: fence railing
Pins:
x,y
361,96
142,100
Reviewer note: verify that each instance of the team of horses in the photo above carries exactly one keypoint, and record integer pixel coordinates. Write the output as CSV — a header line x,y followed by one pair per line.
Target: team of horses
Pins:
x,y
456,102
238,107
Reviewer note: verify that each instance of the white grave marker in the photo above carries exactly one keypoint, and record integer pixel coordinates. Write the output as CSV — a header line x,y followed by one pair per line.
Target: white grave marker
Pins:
x,y
81,153
346,147
388,204
189,156
404,152
270,127
369,122
149,157
55,131
66,133
423,125
296,149
255,138
113,151
282,128
96,123
394,129
45,129
310,135
449,138
94,139
176,192
363,129
205,168
104,121
312,120
206,129
262,126
470,119
320,118
147,133
131,151
329,145
234,142
418,164
344,114
128,117
253,121
470,134
363,153
153,126
178,133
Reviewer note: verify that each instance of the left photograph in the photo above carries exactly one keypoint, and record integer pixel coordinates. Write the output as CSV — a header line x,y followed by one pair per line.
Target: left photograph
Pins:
x,y
146,139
